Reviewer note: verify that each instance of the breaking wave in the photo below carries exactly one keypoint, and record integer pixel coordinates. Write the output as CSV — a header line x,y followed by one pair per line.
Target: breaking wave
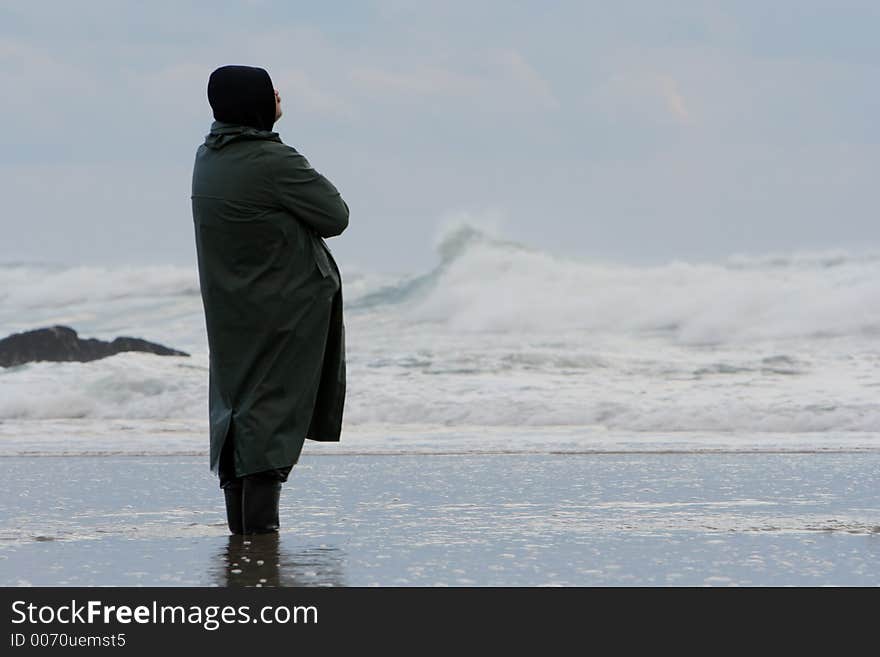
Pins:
x,y
499,334
37,286
487,284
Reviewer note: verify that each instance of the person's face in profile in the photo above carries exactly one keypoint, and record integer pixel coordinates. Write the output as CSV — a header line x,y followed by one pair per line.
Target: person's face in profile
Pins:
x,y
278,111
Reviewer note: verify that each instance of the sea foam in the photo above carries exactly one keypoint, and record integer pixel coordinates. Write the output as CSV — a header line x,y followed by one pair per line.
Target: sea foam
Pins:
x,y
499,334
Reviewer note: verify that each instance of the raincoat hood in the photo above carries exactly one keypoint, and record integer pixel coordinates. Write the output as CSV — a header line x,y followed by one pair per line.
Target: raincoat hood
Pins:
x,y
242,95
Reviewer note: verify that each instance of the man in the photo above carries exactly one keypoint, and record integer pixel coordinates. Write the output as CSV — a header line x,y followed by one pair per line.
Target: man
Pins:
x,y
272,297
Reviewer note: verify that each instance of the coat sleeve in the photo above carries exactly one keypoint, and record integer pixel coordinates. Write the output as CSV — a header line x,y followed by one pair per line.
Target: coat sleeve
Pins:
x,y
308,195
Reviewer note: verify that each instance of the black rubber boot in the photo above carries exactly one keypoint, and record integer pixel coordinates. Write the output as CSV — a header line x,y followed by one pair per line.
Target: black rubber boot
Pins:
x,y
233,494
259,502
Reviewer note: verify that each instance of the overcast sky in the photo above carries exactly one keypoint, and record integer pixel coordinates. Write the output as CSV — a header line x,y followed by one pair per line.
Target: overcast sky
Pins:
x,y
628,131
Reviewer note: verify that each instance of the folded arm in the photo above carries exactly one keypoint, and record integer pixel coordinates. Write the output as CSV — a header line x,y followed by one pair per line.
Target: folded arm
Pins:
x,y
309,196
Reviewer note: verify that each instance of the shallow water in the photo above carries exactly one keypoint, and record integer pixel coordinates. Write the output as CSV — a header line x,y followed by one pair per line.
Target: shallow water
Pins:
x,y
467,519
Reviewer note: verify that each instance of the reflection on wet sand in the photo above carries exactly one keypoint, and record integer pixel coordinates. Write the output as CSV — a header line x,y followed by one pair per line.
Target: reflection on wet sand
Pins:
x,y
261,560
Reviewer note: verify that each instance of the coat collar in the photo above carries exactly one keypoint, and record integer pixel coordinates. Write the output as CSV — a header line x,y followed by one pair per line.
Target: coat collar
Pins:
x,y
223,133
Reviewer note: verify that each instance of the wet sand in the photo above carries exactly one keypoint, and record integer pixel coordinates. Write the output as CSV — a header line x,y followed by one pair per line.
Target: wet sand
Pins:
x,y
463,519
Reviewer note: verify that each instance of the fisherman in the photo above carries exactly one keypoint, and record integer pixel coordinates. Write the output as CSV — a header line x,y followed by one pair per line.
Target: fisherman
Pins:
x,y
272,297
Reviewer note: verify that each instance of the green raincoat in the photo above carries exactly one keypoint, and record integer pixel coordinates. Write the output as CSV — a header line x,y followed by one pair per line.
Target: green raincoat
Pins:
x,y
272,296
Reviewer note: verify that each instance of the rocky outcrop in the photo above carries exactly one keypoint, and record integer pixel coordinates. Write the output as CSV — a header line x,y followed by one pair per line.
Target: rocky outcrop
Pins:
x,y
61,343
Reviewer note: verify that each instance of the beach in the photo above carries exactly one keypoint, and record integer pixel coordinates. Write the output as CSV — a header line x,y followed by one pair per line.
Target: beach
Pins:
x,y
512,417
686,518
526,298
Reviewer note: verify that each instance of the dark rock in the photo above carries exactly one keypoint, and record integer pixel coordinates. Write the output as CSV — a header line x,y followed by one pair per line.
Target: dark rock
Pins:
x,y
61,343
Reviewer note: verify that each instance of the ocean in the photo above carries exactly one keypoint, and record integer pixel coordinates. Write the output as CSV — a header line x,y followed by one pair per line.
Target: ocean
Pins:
x,y
498,347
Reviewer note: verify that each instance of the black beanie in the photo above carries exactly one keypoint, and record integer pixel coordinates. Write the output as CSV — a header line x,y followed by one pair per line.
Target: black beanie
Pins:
x,y
243,95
